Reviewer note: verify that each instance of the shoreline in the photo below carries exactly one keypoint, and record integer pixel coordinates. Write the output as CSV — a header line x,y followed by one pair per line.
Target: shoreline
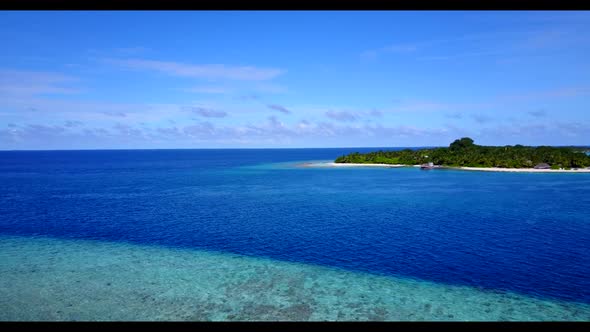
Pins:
x,y
328,164
481,169
522,170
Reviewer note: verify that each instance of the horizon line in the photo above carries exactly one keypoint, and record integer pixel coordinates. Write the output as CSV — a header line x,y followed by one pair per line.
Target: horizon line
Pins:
x,y
266,148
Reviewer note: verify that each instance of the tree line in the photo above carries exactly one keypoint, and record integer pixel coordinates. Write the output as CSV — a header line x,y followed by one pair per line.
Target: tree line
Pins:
x,y
463,152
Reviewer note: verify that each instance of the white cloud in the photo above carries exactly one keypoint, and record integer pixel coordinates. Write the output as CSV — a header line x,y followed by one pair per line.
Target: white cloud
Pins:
x,y
273,132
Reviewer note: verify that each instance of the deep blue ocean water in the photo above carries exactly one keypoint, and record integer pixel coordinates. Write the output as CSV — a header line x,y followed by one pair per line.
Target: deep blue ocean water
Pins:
x,y
518,232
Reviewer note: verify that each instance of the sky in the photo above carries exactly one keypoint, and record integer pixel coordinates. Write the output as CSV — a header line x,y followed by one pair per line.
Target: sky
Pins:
x,y
292,79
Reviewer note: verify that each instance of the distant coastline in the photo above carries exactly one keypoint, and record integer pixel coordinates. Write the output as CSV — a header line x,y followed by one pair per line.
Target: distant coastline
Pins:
x,y
530,170
481,169
465,155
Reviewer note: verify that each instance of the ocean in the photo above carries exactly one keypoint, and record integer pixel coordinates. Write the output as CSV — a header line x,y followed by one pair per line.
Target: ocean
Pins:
x,y
249,234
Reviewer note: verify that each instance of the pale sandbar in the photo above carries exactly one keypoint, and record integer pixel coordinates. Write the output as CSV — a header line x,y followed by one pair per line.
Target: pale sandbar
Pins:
x,y
329,164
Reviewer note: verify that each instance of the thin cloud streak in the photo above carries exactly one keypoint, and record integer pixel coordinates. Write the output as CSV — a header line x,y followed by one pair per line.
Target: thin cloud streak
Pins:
x,y
413,47
537,114
455,115
342,116
209,71
208,90
547,94
279,108
18,83
209,113
481,118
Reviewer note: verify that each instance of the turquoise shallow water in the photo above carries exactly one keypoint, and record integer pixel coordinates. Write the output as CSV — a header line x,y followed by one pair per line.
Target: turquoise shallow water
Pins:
x,y
46,279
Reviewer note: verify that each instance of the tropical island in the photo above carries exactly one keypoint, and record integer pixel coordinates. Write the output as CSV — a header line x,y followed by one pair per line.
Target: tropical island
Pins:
x,y
464,154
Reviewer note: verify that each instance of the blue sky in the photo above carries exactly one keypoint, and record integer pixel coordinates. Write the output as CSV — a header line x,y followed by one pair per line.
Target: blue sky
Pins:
x,y
247,79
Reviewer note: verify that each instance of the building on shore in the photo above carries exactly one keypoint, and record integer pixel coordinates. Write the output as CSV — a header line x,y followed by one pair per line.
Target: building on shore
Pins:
x,y
430,165
542,166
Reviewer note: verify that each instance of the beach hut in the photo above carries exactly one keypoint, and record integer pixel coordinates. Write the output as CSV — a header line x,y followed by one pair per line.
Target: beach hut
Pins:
x,y
542,166
430,165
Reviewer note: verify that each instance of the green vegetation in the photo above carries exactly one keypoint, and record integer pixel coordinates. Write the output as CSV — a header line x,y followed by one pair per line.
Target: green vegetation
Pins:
x,y
463,152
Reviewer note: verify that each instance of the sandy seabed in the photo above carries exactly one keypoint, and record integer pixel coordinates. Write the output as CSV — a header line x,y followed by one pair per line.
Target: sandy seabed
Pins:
x,y
44,279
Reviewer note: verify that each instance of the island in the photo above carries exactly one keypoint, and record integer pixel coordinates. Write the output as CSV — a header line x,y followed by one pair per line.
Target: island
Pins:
x,y
464,154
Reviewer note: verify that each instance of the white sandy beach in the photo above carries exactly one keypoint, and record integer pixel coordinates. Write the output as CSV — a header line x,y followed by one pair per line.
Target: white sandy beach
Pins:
x,y
484,169
525,170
